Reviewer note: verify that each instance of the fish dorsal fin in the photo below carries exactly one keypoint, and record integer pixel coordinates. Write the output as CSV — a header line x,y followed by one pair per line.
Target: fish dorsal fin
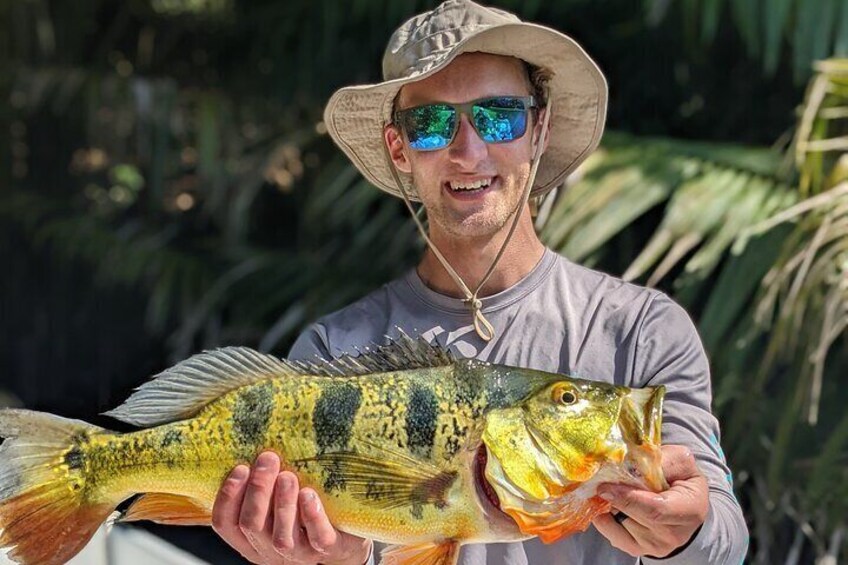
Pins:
x,y
183,390
399,354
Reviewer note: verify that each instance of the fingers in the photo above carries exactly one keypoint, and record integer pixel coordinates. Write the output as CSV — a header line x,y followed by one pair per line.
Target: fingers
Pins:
x,y
685,502
321,534
617,534
255,520
227,509
632,537
286,531
643,506
265,515
320,541
658,523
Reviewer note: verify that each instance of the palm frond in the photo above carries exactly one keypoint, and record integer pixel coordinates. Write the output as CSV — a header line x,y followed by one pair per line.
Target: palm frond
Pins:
x,y
711,193
811,29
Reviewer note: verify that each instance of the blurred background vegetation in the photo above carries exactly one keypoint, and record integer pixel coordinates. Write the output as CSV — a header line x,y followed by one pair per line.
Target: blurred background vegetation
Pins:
x,y
168,186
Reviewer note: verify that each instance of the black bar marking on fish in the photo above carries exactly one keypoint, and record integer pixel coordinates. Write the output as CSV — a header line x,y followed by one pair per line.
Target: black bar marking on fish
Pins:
x,y
422,412
332,420
497,397
74,458
171,437
466,382
252,413
333,416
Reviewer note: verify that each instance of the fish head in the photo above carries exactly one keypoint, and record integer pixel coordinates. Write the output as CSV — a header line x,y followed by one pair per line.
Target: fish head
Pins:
x,y
547,453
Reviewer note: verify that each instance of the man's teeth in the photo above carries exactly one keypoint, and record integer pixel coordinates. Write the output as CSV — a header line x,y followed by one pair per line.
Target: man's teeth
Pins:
x,y
475,185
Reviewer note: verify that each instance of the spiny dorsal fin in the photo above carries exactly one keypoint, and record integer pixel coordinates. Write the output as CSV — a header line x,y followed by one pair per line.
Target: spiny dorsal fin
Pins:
x,y
183,390
399,354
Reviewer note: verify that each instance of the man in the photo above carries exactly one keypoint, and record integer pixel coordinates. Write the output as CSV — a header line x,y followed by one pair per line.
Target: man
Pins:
x,y
479,113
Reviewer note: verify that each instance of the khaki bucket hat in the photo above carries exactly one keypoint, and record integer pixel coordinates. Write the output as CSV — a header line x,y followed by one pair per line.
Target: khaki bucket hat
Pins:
x,y
355,116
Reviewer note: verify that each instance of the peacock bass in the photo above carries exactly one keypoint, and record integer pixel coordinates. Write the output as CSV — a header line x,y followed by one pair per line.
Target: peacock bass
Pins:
x,y
404,443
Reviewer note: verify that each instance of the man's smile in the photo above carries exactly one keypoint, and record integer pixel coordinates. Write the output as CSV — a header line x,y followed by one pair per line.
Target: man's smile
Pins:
x,y
471,188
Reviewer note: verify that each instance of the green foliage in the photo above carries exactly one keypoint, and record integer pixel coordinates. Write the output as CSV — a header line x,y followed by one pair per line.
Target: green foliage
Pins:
x,y
812,29
175,148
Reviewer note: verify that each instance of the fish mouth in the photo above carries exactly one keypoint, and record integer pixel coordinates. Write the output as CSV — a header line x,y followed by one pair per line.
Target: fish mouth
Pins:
x,y
640,423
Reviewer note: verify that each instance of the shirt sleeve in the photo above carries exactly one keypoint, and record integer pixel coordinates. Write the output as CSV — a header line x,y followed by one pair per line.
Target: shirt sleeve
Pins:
x,y
669,352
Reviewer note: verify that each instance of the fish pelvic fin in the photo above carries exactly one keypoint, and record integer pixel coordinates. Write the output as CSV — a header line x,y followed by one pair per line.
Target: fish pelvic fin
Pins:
x,y
46,515
444,553
169,509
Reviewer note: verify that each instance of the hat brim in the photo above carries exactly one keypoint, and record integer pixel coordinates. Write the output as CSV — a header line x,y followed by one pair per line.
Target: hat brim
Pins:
x,y
355,116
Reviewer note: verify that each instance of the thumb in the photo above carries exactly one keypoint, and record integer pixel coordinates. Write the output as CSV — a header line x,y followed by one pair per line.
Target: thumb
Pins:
x,y
678,463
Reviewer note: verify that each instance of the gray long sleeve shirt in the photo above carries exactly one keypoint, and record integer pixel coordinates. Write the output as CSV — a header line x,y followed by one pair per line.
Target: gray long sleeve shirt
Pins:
x,y
567,319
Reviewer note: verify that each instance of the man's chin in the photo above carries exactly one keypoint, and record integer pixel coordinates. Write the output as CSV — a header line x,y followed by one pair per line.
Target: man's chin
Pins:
x,y
472,227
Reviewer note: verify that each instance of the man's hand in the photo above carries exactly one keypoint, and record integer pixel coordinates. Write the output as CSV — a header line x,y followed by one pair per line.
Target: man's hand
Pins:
x,y
265,515
657,523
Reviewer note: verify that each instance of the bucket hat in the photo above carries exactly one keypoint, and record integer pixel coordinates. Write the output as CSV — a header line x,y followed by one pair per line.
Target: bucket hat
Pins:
x,y
355,116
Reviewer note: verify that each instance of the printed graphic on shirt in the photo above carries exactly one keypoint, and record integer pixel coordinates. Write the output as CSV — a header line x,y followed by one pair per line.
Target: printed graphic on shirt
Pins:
x,y
453,339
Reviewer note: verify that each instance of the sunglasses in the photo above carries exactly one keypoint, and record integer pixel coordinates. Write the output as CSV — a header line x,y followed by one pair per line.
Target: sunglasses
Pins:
x,y
496,119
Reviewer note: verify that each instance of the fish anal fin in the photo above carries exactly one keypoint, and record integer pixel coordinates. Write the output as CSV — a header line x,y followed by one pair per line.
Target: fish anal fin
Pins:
x,y
388,482
170,509
444,553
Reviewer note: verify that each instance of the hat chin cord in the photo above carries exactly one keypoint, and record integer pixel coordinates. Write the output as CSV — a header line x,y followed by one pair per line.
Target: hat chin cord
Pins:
x,y
482,326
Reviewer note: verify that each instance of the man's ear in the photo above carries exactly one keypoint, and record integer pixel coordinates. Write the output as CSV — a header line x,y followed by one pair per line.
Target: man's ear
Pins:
x,y
397,151
537,128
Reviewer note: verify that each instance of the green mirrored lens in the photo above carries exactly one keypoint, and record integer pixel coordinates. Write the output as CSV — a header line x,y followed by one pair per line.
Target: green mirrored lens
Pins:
x,y
429,127
500,119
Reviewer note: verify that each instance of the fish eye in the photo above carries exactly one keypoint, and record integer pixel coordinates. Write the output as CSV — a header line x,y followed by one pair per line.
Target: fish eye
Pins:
x,y
564,396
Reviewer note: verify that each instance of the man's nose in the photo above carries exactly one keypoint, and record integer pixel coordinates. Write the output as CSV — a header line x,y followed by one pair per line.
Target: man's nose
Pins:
x,y
467,148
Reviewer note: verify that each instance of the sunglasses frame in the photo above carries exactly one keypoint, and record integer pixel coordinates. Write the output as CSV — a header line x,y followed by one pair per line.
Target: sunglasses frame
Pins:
x,y
465,108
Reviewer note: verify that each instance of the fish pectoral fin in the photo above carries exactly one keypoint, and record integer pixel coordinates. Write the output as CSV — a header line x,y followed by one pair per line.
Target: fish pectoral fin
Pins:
x,y
445,553
171,509
389,482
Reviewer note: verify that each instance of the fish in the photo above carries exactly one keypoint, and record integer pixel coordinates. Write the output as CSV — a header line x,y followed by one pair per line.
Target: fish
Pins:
x,y
405,443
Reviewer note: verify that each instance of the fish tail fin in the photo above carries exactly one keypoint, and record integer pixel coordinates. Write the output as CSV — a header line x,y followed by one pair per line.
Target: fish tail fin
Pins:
x,y
46,515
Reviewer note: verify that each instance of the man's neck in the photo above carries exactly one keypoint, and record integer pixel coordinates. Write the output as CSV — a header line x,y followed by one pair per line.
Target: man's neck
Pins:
x,y
472,257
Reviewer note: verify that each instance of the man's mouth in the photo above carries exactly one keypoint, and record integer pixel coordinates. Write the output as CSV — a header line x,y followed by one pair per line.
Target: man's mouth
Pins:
x,y
469,187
